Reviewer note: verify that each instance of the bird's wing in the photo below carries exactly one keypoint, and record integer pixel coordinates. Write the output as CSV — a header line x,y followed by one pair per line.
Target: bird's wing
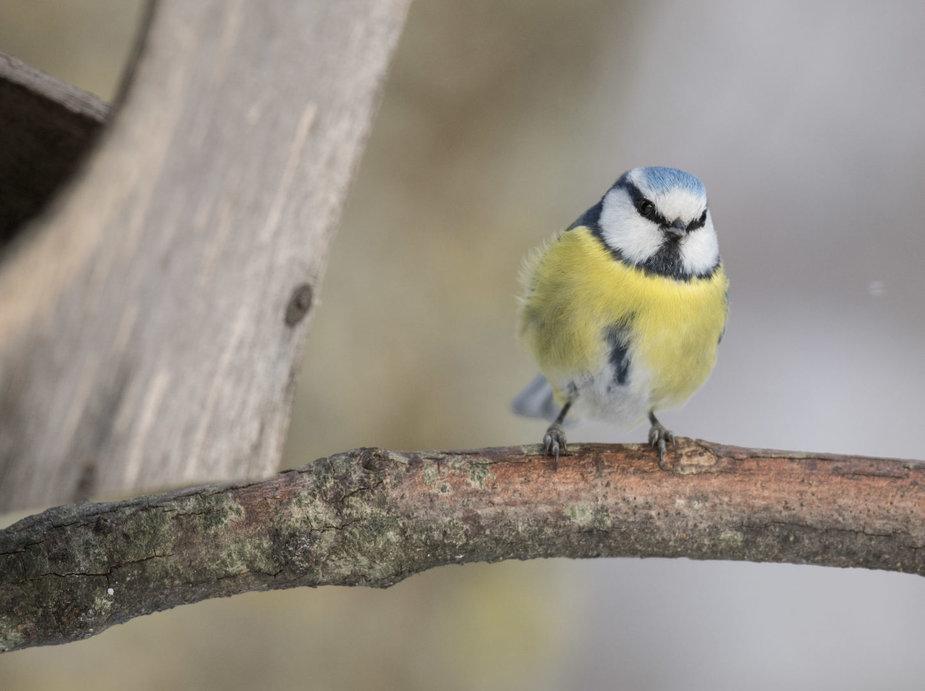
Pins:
x,y
536,400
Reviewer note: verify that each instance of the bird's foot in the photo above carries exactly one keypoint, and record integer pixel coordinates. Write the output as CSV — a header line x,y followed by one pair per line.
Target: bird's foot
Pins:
x,y
554,442
658,435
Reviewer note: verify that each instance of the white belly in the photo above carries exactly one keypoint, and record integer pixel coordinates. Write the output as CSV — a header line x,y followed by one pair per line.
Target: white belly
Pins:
x,y
599,398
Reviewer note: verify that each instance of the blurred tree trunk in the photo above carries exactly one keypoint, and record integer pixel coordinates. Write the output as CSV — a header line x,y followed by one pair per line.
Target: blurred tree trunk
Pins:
x,y
151,322
373,517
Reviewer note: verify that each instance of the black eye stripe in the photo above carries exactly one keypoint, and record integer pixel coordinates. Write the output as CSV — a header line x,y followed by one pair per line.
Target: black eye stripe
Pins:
x,y
699,223
646,209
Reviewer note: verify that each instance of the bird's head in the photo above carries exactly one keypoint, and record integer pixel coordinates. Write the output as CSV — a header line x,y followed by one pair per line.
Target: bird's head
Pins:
x,y
657,219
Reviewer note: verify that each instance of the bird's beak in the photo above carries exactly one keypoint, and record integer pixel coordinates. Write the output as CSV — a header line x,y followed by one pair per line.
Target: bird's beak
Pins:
x,y
676,229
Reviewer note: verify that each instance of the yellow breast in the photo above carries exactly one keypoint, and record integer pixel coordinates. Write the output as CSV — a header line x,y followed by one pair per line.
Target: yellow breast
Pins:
x,y
575,290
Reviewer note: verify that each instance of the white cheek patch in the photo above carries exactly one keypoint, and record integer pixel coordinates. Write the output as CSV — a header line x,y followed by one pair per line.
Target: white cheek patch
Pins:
x,y
638,240
700,249
626,231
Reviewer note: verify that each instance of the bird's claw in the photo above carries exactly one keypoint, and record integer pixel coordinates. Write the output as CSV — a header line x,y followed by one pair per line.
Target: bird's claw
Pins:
x,y
554,442
658,435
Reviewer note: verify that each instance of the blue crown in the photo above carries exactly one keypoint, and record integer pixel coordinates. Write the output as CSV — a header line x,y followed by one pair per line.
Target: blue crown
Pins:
x,y
661,180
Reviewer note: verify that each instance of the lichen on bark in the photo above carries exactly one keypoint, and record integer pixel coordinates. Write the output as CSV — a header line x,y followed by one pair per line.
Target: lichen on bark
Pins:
x,y
373,517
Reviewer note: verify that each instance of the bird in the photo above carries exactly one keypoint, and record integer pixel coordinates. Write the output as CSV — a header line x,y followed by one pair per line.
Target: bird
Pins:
x,y
624,310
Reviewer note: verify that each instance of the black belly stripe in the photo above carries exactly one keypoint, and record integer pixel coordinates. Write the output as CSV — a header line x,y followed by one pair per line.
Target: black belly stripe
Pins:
x,y
617,337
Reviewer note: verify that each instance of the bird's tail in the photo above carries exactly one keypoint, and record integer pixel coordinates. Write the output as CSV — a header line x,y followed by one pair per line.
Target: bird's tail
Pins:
x,y
537,400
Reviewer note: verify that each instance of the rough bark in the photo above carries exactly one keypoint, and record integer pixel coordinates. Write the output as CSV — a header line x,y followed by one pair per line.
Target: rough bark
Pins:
x,y
373,517
153,321
46,126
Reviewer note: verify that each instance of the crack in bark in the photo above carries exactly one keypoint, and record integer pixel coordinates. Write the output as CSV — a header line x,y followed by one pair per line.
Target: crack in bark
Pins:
x,y
93,574
834,529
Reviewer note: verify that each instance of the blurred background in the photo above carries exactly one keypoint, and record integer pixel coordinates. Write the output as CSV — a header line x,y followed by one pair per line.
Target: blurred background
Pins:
x,y
500,123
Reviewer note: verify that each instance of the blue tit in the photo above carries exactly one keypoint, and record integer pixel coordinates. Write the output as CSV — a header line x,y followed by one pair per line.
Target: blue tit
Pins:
x,y
624,310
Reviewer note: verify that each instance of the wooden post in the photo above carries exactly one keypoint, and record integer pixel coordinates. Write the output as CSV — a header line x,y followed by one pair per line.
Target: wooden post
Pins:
x,y
151,323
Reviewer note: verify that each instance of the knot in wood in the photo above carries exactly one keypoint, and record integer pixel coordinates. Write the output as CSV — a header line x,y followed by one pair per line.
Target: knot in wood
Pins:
x,y
299,304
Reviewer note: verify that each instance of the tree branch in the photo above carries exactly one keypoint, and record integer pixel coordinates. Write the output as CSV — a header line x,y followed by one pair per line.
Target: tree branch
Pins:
x,y
373,517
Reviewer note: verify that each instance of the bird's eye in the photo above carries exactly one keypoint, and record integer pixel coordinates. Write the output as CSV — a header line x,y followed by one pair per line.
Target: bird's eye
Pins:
x,y
703,217
645,208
